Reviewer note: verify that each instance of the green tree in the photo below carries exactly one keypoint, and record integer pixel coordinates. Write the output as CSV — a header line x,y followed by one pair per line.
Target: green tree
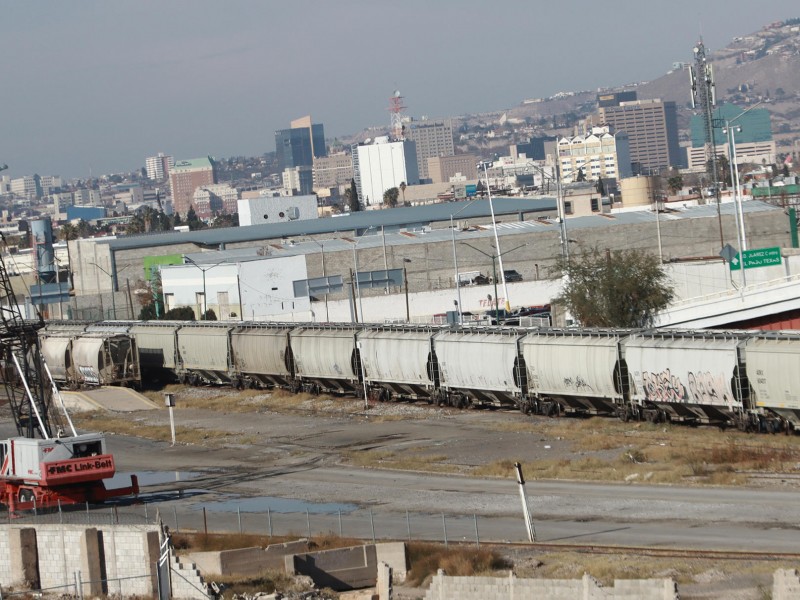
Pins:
x,y
403,190
600,186
620,288
180,313
390,197
192,220
675,184
353,202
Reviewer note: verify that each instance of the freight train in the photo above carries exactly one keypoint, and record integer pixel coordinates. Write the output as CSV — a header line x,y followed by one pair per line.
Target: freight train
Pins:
x,y
744,379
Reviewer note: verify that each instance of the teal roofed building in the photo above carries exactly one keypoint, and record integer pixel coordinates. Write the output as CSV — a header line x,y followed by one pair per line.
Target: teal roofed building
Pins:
x,y
753,136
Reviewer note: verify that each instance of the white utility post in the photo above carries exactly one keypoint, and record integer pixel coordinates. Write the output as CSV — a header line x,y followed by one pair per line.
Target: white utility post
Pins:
x,y
169,400
525,511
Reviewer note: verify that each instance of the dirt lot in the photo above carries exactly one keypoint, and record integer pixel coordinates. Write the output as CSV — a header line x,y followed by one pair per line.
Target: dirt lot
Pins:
x,y
250,432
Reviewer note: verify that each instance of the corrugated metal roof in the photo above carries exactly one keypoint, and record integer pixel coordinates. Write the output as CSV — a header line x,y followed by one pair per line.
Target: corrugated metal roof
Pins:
x,y
372,238
389,219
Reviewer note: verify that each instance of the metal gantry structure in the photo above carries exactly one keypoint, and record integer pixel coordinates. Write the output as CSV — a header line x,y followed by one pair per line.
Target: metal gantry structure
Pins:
x,y
27,388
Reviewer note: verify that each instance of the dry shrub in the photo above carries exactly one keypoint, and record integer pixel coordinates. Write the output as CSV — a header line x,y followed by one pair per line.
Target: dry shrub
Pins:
x,y
427,559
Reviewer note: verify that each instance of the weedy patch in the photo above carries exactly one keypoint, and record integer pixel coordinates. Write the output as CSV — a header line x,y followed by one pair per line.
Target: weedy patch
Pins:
x,y
461,561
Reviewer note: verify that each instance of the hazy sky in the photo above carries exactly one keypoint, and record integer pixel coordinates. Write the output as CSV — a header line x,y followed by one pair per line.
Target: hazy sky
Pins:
x,y
96,86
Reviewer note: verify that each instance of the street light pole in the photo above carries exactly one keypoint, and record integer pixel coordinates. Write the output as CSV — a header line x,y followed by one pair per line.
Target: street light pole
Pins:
x,y
111,278
204,316
496,257
496,239
455,258
405,283
355,265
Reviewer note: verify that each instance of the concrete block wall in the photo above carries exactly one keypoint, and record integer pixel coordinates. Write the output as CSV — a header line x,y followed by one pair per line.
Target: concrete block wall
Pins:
x,y
58,551
5,550
186,582
785,584
131,552
509,588
59,557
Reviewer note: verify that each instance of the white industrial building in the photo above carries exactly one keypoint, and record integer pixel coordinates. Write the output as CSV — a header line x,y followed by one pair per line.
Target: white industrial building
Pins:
x,y
383,165
277,209
254,288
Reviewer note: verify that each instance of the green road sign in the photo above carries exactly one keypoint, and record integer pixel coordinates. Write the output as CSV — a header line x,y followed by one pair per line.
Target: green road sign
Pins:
x,y
759,257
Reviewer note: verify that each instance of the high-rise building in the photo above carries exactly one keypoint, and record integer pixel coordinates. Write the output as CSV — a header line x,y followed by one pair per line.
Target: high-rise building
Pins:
x,y
300,145
615,98
433,138
652,129
534,148
29,187
383,165
753,135
218,198
442,168
333,170
158,166
185,177
596,154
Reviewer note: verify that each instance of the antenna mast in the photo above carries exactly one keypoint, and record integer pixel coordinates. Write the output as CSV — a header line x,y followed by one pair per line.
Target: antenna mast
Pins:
x,y
704,99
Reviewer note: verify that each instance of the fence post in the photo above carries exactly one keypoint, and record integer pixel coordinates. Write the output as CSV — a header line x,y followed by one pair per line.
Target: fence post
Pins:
x,y
340,525
145,512
444,527
239,517
78,585
408,526
477,537
205,522
60,520
269,522
372,524
308,525
175,514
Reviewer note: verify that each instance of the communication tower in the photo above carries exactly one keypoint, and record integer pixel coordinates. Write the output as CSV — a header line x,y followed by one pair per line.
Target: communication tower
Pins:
x,y
701,75
396,108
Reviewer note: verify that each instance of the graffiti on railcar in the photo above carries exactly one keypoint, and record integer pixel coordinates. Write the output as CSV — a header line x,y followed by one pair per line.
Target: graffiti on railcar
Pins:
x,y
707,388
663,387
578,383
702,387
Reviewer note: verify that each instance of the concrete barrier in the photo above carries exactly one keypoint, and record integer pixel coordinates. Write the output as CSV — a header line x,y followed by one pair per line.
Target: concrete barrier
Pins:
x,y
785,584
395,556
341,569
245,561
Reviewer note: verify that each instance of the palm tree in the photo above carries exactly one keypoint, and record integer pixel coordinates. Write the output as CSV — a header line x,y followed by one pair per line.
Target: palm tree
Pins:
x,y
403,190
69,232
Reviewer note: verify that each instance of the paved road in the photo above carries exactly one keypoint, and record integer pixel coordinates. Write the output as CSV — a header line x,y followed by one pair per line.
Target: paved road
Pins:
x,y
440,505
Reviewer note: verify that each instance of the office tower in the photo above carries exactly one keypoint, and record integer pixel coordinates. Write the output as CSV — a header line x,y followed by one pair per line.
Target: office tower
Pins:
x,y
433,138
185,177
652,129
300,145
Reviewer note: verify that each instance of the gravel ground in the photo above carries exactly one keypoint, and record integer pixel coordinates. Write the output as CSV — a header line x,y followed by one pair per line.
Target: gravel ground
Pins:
x,y
313,435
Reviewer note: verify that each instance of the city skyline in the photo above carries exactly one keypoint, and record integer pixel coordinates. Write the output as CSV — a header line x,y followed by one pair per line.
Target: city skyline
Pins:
x,y
96,87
